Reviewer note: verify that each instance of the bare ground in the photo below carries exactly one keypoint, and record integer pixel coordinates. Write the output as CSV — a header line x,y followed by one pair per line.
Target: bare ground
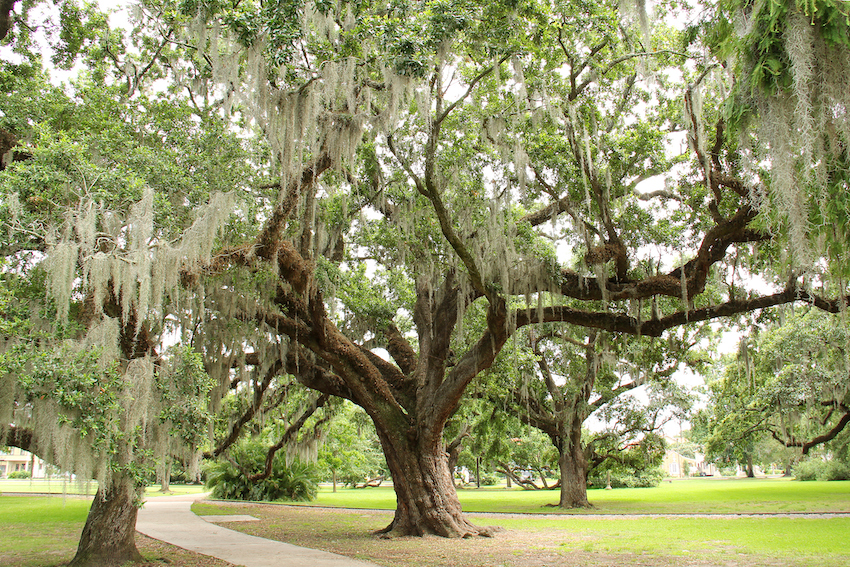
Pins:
x,y
159,554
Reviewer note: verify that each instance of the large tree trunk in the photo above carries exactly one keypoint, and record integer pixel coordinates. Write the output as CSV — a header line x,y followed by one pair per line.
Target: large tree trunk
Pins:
x,y
573,466
109,536
426,499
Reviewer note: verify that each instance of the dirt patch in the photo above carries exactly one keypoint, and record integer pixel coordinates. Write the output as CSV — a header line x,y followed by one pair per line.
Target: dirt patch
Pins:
x,y
349,532
159,554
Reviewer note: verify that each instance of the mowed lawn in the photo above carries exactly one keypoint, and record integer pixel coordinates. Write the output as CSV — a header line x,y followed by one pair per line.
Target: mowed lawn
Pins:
x,y
71,487
543,535
43,531
688,496
40,531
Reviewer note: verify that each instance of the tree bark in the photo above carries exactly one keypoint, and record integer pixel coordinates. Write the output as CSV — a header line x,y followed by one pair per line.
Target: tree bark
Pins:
x,y
109,536
426,498
165,481
573,465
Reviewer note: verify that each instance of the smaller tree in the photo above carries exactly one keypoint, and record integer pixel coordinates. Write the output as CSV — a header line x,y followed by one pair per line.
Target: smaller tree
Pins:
x,y
528,458
631,446
787,383
351,452
565,377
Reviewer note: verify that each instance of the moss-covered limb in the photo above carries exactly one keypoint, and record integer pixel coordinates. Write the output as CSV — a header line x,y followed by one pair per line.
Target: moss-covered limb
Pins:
x,y
288,436
256,403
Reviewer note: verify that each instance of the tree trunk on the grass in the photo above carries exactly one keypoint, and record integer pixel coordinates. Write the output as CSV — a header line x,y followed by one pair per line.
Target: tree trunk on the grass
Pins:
x,y
426,499
573,466
165,479
109,536
751,473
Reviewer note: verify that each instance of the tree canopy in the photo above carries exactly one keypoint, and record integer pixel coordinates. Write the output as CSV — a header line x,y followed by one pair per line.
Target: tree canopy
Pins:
x,y
375,198
787,384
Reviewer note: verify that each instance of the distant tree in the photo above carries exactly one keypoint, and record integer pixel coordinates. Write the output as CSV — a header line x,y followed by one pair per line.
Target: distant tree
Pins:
x,y
562,380
351,452
786,384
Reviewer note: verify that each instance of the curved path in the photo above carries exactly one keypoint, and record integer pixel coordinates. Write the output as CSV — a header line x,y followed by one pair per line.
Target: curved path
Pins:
x,y
170,519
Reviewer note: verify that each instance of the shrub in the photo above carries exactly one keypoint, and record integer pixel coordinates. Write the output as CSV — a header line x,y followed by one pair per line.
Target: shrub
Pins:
x,y
639,479
20,474
817,469
227,481
489,479
729,471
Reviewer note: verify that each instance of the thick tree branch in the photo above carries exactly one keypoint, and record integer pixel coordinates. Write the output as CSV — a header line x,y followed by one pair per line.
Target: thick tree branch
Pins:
x,y
400,349
806,446
270,237
19,437
256,403
6,7
621,323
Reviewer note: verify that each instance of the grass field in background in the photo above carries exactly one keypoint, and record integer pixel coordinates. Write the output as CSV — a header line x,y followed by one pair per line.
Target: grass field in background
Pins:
x,y
657,541
72,487
797,538
699,495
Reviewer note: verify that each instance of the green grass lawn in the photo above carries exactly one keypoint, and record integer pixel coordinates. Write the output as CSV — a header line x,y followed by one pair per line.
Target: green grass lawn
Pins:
x,y
43,531
681,496
586,536
812,541
59,486
38,531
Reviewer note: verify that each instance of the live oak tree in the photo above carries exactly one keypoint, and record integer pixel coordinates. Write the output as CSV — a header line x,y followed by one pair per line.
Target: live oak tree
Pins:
x,y
576,375
428,158
112,197
787,384
428,152
115,193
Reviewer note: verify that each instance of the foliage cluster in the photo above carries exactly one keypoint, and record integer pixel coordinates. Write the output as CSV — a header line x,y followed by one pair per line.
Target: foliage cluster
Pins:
x,y
785,392
19,474
228,478
351,452
820,469
639,478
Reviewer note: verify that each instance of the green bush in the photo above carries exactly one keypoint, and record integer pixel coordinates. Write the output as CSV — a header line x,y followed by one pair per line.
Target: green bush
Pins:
x,y
729,472
489,479
227,481
817,469
20,474
640,479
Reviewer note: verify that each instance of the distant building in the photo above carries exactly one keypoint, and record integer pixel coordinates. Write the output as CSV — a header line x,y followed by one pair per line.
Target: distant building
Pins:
x,y
676,465
14,460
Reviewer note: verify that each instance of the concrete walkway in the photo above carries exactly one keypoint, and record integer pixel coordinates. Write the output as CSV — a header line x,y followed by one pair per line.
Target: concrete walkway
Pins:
x,y
170,519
